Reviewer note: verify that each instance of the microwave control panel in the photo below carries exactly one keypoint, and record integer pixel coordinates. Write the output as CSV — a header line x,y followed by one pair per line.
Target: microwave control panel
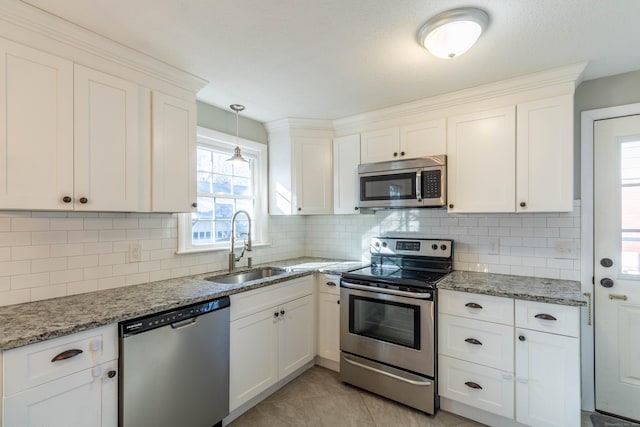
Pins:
x,y
431,184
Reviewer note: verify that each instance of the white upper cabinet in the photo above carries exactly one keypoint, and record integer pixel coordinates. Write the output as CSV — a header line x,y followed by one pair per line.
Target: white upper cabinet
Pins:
x,y
107,148
300,172
346,158
481,150
545,155
380,145
405,142
423,139
314,180
173,154
36,128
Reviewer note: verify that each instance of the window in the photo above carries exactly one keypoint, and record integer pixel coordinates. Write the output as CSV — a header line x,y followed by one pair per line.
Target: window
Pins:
x,y
224,188
630,206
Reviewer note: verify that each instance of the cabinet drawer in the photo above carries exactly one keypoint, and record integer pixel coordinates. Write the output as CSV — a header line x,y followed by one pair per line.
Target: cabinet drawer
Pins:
x,y
485,388
484,343
32,365
476,306
552,318
246,303
329,284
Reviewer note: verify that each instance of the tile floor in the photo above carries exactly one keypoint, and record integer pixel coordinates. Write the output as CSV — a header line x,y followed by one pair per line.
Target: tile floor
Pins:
x,y
318,398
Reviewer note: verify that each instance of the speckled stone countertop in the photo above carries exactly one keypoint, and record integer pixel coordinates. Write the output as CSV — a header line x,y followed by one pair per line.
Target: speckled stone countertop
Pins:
x,y
23,324
565,292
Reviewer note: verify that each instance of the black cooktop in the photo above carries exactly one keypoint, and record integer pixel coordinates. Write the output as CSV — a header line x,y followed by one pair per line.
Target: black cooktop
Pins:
x,y
396,275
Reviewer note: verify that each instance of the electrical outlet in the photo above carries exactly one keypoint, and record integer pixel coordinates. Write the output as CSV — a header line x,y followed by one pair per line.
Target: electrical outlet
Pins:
x,y
494,246
135,252
566,248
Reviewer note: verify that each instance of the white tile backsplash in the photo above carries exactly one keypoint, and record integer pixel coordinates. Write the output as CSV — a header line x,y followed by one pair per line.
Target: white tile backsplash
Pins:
x,y
51,254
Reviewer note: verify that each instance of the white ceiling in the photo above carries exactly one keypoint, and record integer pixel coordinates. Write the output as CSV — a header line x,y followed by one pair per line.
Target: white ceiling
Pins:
x,y
328,59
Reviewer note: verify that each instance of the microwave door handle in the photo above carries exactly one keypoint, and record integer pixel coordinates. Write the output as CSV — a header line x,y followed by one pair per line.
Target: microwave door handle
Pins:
x,y
419,185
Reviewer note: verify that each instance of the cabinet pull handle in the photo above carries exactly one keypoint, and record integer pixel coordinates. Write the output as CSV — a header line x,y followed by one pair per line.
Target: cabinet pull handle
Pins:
x,y
473,305
83,200
402,153
523,204
68,354
282,312
111,374
618,296
299,209
395,154
473,341
544,316
276,314
331,284
194,204
450,205
473,385
66,199
522,338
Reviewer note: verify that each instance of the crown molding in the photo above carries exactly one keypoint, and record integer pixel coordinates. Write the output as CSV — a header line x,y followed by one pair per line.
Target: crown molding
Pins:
x,y
571,74
288,124
37,22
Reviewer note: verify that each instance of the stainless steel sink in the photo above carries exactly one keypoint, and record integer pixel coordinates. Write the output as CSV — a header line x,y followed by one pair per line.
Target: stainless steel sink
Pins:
x,y
248,275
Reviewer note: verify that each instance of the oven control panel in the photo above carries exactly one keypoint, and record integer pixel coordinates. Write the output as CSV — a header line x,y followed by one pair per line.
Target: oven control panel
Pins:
x,y
413,247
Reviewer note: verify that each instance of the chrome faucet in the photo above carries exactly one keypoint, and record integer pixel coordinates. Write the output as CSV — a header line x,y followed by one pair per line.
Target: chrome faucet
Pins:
x,y
247,243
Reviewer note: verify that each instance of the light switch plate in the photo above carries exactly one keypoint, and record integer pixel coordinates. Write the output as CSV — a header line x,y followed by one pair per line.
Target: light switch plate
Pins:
x,y
135,252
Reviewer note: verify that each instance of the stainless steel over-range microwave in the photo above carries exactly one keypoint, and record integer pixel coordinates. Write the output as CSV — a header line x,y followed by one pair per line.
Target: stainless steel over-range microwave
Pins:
x,y
420,182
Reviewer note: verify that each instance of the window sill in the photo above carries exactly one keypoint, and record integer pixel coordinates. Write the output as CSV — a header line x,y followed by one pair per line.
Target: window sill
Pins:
x,y
224,248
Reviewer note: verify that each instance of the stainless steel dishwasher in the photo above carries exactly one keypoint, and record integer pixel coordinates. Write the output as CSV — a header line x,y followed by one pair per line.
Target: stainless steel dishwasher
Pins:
x,y
174,367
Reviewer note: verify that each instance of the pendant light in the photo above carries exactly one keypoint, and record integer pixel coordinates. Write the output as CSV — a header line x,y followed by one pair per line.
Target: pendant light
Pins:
x,y
237,156
451,33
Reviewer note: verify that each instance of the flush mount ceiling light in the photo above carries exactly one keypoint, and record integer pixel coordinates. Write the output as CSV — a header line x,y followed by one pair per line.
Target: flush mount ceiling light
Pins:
x,y
453,32
237,157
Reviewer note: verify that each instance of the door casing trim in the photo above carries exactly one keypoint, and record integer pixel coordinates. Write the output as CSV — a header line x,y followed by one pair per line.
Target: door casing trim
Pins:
x,y
587,343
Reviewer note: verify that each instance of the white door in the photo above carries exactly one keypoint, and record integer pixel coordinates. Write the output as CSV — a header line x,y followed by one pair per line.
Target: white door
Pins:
x,y
481,150
329,326
173,154
107,148
423,139
36,129
314,186
346,158
296,335
617,265
380,145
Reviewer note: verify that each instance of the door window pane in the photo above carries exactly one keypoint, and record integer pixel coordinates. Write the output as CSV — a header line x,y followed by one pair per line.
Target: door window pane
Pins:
x,y
630,207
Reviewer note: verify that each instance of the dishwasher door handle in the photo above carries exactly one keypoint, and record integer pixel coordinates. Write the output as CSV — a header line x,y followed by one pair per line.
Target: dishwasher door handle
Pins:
x,y
184,323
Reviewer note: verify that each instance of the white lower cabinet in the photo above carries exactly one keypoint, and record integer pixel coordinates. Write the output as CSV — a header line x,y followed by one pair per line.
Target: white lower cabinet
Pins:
x,y
527,370
64,382
271,341
329,317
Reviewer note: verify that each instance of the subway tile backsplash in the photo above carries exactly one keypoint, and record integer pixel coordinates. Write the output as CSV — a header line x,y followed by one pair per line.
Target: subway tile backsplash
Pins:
x,y
51,254
536,244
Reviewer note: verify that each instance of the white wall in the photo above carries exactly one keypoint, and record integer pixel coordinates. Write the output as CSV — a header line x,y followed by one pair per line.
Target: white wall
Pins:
x,y
49,254
540,245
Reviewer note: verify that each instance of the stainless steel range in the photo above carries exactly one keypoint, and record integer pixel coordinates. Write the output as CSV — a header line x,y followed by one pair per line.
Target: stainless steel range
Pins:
x,y
387,320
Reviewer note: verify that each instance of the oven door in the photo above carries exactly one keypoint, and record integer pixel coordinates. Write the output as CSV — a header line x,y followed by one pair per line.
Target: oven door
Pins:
x,y
394,329
397,188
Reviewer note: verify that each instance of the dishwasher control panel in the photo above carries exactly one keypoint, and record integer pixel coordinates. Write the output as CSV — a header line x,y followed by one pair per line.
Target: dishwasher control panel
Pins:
x,y
172,317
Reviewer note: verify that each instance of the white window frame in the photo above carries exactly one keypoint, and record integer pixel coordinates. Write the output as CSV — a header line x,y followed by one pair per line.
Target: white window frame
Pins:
x,y
260,223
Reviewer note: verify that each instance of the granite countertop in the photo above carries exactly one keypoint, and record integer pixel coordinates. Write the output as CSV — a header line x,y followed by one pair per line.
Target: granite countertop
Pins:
x,y
554,291
28,323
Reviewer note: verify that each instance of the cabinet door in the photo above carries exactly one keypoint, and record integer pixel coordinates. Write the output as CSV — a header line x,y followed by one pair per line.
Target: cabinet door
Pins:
x,y
253,353
314,186
481,152
547,379
329,326
86,398
296,335
380,145
173,154
36,129
107,149
423,139
346,158
545,155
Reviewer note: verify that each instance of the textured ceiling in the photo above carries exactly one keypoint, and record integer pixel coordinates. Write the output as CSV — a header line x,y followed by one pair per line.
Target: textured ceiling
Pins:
x,y
329,59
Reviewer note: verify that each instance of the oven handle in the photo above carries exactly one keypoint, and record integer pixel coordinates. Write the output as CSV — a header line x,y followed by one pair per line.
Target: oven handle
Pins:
x,y
418,295
389,374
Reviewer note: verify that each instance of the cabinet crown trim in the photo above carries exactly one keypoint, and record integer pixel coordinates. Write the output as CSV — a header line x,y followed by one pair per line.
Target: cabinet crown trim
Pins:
x,y
38,22
303,124
570,75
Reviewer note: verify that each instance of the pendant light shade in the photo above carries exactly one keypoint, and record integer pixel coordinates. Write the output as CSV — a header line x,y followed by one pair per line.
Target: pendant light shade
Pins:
x,y
237,156
450,34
